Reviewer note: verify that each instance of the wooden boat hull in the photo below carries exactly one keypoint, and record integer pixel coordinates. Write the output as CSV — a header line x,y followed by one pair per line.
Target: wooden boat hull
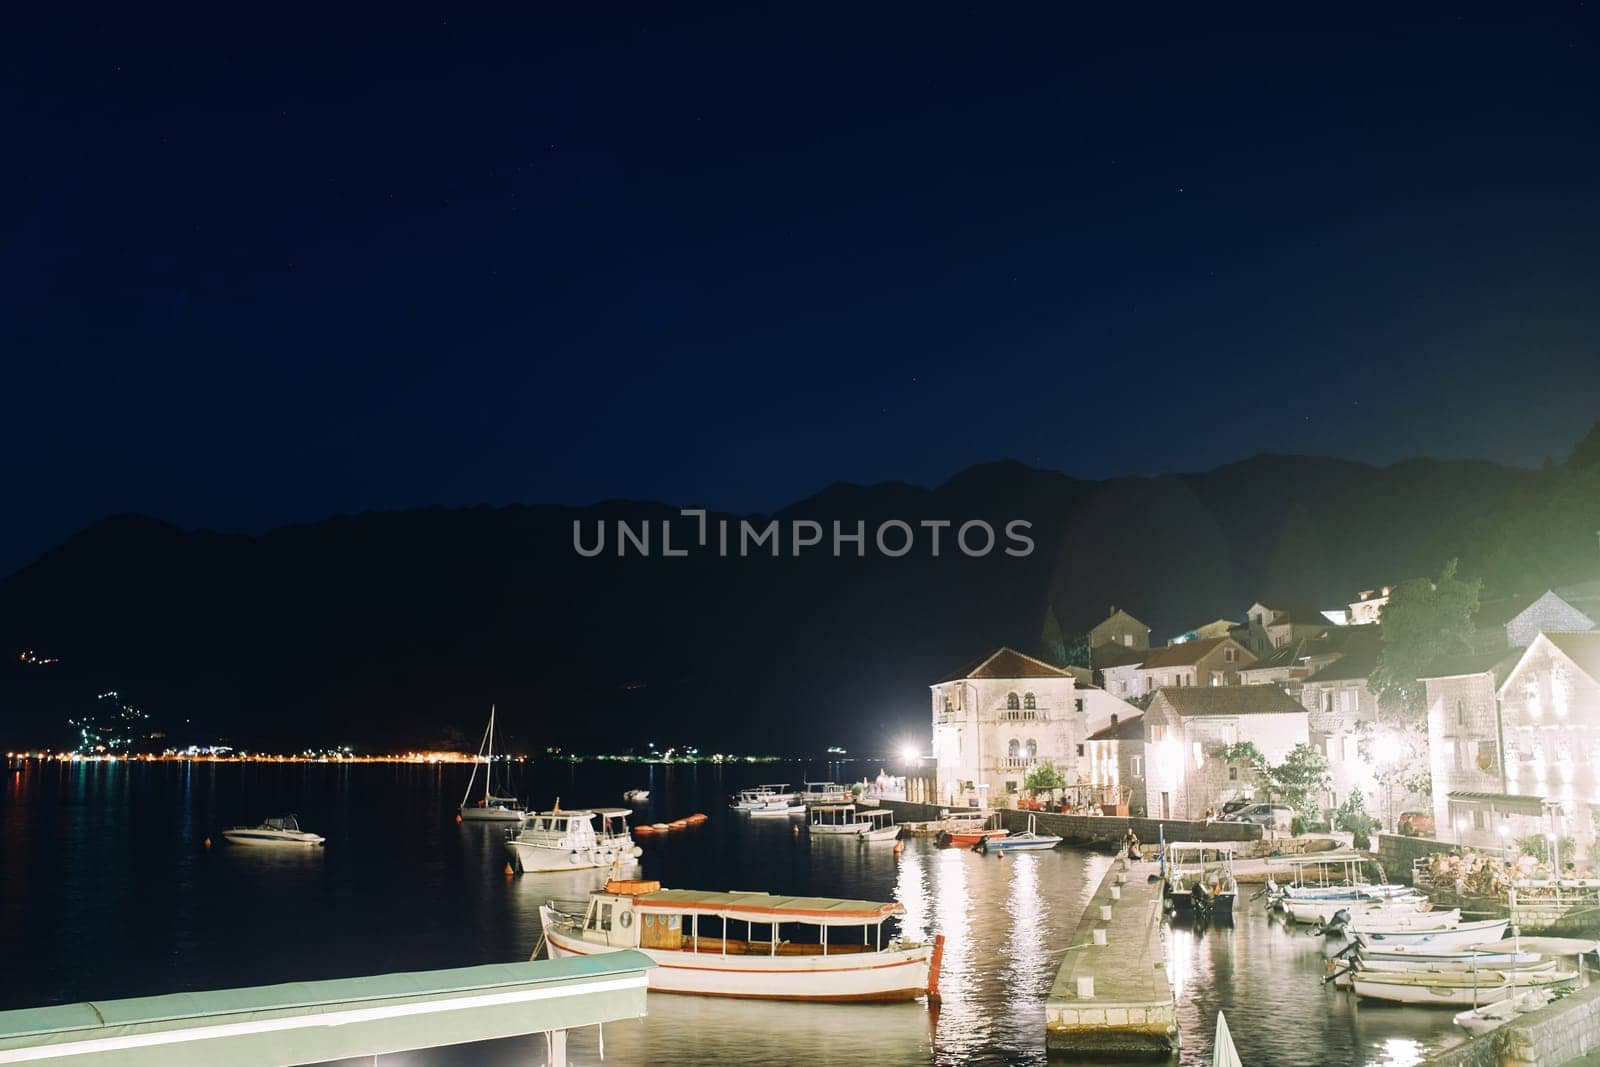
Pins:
x,y
1458,991
1464,934
863,977
968,838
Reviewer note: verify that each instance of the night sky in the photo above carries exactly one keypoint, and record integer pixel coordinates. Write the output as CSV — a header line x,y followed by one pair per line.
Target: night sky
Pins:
x,y
259,270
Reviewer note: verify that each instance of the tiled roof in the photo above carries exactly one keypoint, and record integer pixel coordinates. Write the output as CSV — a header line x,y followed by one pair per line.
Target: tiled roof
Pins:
x,y
1129,729
1282,656
1496,613
1497,663
1192,700
1361,647
1305,614
1582,647
1114,655
1005,663
1184,655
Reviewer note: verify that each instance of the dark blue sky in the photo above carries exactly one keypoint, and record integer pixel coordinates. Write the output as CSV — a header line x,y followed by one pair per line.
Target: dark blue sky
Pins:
x,y
259,270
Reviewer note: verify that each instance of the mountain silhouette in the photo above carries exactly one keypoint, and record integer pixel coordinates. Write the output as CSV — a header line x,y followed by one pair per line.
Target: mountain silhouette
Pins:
x,y
386,630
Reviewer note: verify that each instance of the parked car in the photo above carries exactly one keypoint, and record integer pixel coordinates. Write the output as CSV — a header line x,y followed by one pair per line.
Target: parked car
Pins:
x,y
1235,805
1277,816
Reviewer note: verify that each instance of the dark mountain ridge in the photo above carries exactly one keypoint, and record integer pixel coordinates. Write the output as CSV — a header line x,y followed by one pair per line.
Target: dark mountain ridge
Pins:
x,y
391,629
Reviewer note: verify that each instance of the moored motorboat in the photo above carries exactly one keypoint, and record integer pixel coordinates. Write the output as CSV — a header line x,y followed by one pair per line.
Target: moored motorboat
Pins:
x,y
879,825
567,841
1322,911
1030,840
1197,884
965,829
636,796
815,948
777,809
1463,989
283,830
834,820
1461,934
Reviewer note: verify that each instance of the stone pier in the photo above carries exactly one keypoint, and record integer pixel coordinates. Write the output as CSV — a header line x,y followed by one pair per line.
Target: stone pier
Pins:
x,y
1111,997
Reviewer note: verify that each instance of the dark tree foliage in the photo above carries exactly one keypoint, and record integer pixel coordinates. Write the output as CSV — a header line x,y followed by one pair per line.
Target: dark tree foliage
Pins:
x,y
1422,621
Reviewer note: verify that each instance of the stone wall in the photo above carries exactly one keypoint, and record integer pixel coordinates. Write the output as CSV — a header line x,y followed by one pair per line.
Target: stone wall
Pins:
x,y
1559,1033
1396,853
1095,829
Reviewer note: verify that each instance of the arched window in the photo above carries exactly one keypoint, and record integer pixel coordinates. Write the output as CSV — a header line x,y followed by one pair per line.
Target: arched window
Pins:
x,y
1012,748
1012,703
1028,701
1031,749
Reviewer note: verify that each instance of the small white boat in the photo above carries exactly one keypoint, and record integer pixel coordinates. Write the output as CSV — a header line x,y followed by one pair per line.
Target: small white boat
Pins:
x,y
825,793
1223,1053
281,830
758,797
636,796
750,945
1455,988
879,825
492,807
835,820
1028,841
777,809
1462,934
567,841
1481,1020
1320,912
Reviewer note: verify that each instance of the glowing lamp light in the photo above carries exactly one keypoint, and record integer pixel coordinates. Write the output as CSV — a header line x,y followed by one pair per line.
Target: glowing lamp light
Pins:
x,y
1386,747
910,754
1505,831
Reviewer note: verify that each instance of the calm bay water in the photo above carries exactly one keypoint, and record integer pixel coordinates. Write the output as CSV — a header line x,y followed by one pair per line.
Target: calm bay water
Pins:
x,y
107,890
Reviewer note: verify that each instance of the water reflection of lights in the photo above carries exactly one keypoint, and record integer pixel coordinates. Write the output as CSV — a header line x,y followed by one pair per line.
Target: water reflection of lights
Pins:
x,y
1399,1052
911,890
1026,942
1180,958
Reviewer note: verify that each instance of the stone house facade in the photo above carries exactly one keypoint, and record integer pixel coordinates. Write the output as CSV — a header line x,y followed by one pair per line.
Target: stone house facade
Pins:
x,y
1115,758
1273,626
1464,755
1120,628
1212,662
1514,622
998,718
1184,727
1550,729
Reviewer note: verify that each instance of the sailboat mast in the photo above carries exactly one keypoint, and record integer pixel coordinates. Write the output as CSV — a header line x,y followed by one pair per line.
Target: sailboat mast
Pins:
x,y
488,772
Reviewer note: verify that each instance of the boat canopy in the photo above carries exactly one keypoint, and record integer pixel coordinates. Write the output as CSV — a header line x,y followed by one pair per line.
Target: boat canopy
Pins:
x,y
610,813
766,908
875,813
575,815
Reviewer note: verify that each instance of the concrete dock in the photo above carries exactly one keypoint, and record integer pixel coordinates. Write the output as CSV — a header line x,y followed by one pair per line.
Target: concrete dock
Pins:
x,y
1114,999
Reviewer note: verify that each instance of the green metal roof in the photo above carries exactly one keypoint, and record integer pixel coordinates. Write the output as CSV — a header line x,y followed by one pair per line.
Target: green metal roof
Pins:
x,y
764,907
175,1007
309,1022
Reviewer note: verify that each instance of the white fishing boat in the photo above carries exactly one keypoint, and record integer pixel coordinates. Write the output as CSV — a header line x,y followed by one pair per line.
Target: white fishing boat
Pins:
x,y
282,830
1461,989
1482,1019
1393,922
491,807
1030,840
1223,1053
824,793
1346,976
833,820
758,797
1326,875
879,825
1321,912
792,948
777,809
566,841
636,796
1461,934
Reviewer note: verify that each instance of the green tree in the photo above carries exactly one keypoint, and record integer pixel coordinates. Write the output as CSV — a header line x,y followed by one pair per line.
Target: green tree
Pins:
x,y
1300,780
1422,621
1052,643
1078,651
1245,752
1042,779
